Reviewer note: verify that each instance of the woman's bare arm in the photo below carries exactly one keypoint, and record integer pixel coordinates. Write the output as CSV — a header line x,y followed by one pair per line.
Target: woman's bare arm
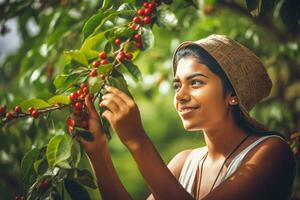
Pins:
x,y
266,173
98,152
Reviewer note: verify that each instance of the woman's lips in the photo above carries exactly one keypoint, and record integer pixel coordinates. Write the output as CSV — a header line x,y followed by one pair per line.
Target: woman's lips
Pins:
x,y
187,111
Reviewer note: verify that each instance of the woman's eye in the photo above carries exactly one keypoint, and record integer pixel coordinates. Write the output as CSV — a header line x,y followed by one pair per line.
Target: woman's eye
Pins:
x,y
197,82
176,86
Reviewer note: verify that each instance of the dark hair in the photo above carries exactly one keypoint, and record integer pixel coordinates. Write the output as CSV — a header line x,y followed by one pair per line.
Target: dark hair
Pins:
x,y
195,51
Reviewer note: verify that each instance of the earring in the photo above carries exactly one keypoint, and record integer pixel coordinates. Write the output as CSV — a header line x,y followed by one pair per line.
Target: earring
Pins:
x,y
233,101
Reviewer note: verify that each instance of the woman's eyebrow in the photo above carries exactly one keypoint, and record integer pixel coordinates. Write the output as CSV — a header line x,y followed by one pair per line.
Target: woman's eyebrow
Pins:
x,y
176,79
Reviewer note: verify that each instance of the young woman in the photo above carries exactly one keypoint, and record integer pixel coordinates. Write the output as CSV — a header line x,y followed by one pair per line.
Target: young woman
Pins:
x,y
217,81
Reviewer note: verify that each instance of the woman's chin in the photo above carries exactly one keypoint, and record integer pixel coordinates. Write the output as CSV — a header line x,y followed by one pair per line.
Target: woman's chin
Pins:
x,y
191,127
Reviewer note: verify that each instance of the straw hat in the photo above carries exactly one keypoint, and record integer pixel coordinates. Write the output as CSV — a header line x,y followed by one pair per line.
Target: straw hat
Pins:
x,y
243,68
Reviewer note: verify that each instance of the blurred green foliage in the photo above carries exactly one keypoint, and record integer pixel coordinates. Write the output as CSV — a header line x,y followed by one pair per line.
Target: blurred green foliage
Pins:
x,y
273,34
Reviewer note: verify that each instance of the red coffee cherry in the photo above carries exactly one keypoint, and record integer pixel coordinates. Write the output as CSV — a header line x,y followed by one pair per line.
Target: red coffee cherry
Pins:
x,y
151,5
9,115
70,122
96,63
102,55
79,92
104,62
129,56
35,113
73,96
138,45
147,20
2,110
145,4
94,73
137,20
148,11
141,12
85,90
78,105
18,109
102,76
30,109
118,41
44,185
137,37
121,56
133,27
83,85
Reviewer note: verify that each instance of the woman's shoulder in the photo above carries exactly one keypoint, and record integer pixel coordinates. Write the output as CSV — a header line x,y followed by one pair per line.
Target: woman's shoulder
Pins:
x,y
271,147
177,162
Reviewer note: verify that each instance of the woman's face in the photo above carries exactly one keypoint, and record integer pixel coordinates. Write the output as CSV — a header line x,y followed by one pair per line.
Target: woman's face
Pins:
x,y
199,98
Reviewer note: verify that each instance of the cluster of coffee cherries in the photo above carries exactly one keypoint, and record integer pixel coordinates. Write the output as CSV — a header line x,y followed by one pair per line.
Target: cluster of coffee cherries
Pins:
x,y
17,110
144,14
78,116
103,60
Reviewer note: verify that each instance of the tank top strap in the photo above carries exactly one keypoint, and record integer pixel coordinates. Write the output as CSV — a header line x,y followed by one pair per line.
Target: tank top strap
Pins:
x,y
189,170
236,162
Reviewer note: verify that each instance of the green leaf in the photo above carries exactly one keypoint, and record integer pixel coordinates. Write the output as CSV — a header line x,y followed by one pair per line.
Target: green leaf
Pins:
x,y
77,56
104,68
36,103
58,149
59,99
147,38
75,154
106,4
64,164
91,42
130,11
117,80
27,164
60,80
167,19
41,166
85,134
95,83
95,22
133,70
98,20
123,33
75,190
65,81
85,178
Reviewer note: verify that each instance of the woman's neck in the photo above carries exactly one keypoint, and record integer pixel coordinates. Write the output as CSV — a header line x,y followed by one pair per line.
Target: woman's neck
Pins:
x,y
222,139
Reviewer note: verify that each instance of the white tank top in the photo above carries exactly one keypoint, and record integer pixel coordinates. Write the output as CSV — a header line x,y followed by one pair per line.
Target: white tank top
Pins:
x,y
189,170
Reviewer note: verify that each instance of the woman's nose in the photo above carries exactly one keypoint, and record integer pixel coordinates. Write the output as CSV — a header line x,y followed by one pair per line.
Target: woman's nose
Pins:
x,y
182,94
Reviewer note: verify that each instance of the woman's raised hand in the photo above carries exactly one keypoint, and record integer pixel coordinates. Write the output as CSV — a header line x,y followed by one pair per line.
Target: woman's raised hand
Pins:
x,y
123,116
100,139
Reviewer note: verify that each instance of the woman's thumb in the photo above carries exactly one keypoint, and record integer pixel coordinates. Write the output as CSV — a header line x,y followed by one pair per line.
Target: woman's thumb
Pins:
x,y
90,106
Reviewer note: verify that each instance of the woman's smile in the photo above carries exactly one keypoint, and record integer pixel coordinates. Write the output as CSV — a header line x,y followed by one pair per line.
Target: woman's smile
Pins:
x,y
186,111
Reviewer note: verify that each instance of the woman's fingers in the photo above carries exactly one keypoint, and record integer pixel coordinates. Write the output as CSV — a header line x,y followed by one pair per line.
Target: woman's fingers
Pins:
x,y
121,94
90,107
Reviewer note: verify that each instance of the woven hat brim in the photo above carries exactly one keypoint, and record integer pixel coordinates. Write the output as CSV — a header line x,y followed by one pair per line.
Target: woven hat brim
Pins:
x,y
253,122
